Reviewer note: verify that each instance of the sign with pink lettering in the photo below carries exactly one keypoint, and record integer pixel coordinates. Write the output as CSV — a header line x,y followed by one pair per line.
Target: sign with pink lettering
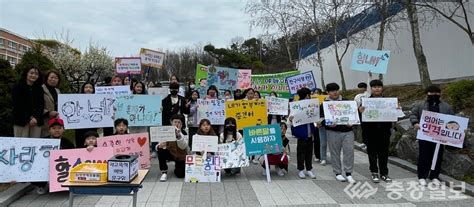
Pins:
x,y
137,144
442,128
62,161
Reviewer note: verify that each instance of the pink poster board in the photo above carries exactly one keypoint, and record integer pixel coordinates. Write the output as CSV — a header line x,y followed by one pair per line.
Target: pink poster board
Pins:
x,y
136,144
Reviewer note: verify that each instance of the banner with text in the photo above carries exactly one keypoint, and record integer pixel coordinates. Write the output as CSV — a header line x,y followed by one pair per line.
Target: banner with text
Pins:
x,y
204,143
244,79
62,161
222,78
266,83
25,159
160,92
375,61
277,106
247,112
152,58
212,109
199,170
304,111
233,155
260,140
139,110
133,144
442,128
86,110
113,90
380,109
303,80
128,65
163,133
341,113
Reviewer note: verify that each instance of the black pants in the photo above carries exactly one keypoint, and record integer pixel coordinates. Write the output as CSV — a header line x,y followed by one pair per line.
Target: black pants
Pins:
x,y
40,184
304,154
192,132
317,148
425,158
163,156
377,149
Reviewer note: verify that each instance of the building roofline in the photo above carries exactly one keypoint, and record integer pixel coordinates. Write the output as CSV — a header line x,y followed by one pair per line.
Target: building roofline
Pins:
x,y
10,32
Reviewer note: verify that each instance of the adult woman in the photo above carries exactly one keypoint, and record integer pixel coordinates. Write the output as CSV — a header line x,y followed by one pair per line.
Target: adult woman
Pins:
x,y
51,91
28,104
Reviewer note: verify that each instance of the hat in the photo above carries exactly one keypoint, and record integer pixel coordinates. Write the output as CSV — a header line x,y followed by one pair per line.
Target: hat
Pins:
x,y
55,121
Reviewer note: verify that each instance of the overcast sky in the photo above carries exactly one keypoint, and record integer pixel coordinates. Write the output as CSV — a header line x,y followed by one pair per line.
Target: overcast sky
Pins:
x,y
124,26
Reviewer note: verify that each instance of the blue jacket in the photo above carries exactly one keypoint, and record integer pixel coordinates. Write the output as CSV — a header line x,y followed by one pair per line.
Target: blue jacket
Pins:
x,y
301,132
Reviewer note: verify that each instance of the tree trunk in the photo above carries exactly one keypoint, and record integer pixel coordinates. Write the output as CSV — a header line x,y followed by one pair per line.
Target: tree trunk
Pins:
x,y
320,62
419,54
383,12
339,66
288,50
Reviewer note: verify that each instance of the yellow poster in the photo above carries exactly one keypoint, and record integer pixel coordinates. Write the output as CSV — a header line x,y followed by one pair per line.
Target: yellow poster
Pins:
x,y
247,113
321,98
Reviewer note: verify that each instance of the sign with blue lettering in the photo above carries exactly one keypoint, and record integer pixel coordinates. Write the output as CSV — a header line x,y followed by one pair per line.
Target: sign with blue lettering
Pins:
x,y
139,110
260,140
375,61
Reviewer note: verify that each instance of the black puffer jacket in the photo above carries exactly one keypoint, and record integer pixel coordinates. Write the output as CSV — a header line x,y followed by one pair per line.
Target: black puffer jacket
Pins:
x,y
28,101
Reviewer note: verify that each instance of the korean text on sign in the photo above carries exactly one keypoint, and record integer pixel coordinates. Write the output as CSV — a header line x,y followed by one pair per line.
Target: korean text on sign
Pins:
x,y
247,112
442,128
303,80
211,109
261,140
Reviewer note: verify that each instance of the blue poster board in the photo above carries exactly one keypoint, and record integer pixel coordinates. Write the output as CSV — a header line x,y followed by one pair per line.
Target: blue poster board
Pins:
x,y
139,110
375,61
260,140
222,78
303,80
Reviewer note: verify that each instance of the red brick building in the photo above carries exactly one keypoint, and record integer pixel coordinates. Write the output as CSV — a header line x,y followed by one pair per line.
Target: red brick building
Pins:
x,y
13,46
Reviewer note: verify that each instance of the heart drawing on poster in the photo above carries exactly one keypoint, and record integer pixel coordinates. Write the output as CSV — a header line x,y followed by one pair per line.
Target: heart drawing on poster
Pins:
x,y
141,141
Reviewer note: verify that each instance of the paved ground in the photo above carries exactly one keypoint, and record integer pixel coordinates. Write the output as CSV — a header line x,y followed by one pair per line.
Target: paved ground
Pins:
x,y
251,189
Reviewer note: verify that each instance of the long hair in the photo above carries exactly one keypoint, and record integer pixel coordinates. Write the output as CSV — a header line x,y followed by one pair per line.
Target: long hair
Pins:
x,y
84,86
213,87
143,88
200,132
23,78
191,96
244,94
229,121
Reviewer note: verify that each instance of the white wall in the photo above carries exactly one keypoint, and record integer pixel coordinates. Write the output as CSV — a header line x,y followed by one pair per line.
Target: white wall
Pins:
x,y
447,48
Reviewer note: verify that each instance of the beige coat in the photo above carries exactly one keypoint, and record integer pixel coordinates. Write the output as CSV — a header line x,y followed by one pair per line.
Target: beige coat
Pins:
x,y
48,106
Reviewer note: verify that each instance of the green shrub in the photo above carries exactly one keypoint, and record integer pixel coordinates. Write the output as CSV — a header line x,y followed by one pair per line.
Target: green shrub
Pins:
x,y
8,78
461,94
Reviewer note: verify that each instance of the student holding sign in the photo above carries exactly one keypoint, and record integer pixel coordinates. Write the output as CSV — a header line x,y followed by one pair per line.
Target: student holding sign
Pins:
x,y
138,89
274,119
340,138
280,160
377,138
427,149
87,88
305,134
173,151
229,135
192,107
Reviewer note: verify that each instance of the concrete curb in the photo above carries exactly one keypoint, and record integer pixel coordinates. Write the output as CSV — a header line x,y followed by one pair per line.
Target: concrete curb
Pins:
x,y
13,193
469,189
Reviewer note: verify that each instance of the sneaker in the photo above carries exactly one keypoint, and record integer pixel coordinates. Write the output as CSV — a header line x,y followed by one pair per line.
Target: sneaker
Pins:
x,y
255,161
422,182
280,172
301,174
163,177
386,178
316,159
264,172
323,162
436,182
350,179
375,178
340,178
41,190
311,174
363,146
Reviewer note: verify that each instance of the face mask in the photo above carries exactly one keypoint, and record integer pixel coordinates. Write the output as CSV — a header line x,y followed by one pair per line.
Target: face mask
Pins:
x,y
433,98
230,128
174,92
192,86
228,97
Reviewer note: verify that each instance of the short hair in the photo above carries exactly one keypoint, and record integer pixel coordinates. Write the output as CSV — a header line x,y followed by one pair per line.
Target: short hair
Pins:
x,y
177,116
303,92
362,85
174,85
433,89
376,82
52,72
119,121
332,87
90,133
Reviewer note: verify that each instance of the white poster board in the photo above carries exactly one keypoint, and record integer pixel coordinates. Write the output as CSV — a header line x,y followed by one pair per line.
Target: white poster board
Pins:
x,y
161,92
277,106
162,133
128,65
204,143
380,110
341,113
233,155
304,111
211,109
25,159
442,128
86,110
202,170
113,90
152,58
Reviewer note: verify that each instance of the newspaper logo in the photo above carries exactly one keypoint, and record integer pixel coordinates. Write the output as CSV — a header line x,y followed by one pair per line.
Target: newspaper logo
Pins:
x,y
360,190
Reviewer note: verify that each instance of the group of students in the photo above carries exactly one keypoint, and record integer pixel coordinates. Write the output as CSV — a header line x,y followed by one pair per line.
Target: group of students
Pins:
x,y
35,113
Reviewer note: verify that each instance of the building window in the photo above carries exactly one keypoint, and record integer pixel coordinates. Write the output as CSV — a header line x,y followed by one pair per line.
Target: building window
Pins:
x,y
12,45
1,42
3,57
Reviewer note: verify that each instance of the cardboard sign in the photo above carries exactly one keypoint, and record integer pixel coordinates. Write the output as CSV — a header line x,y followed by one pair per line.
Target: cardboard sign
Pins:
x,y
375,61
128,65
199,170
139,110
380,110
212,109
303,80
442,128
233,155
113,90
62,162
162,133
277,106
321,98
244,79
205,143
133,144
341,113
86,110
262,140
222,78
304,111
25,159
152,58
266,83
247,113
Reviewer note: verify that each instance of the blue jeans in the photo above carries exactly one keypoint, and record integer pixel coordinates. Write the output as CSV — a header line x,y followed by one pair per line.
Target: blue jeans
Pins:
x,y
323,143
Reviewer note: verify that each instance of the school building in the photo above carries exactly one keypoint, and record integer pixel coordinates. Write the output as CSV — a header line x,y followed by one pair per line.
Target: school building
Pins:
x,y
447,48
13,46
